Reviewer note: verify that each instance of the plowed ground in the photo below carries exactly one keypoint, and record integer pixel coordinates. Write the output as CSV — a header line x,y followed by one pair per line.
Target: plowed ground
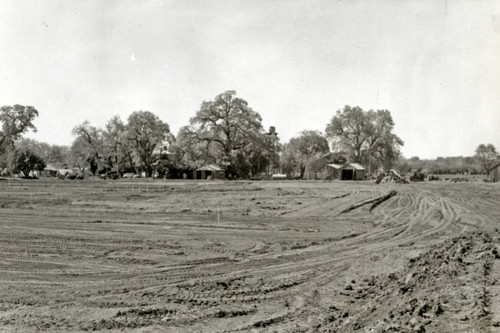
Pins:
x,y
180,256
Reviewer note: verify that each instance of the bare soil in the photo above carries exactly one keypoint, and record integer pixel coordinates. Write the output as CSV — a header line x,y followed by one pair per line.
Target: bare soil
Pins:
x,y
278,256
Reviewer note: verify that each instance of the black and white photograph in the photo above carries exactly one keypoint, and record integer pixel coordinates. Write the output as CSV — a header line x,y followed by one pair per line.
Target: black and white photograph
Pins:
x,y
250,166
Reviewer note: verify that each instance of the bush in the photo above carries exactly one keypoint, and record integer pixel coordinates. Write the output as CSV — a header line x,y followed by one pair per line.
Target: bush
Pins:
x,y
25,161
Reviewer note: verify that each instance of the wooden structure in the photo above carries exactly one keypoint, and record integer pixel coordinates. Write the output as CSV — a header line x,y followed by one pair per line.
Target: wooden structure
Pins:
x,y
210,171
494,173
50,171
352,171
333,171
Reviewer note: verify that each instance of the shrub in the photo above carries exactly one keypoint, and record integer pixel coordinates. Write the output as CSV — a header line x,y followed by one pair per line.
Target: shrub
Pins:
x,y
26,161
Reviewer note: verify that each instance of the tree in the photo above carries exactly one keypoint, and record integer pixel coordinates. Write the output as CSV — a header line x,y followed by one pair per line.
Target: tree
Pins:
x,y
190,152
382,146
440,165
26,161
367,136
226,127
49,153
57,154
16,120
147,133
304,151
348,130
88,146
258,156
117,148
486,155
337,157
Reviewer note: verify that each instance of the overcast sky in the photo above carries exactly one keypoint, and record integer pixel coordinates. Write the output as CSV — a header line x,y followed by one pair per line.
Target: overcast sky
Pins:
x,y
433,64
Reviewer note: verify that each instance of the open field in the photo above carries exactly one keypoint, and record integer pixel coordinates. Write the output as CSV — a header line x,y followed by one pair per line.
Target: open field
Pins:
x,y
214,256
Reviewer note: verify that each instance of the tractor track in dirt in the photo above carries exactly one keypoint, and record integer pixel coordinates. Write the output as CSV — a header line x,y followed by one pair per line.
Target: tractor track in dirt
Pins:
x,y
277,262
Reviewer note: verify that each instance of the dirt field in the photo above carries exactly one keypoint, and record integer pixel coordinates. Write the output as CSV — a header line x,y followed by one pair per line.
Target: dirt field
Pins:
x,y
166,256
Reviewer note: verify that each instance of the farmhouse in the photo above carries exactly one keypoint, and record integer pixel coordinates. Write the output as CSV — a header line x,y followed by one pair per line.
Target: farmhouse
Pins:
x,y
206,171
494,173
352,171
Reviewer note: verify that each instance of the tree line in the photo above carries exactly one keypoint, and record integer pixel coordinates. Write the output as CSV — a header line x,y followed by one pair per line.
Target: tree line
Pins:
x,y
485,158
226,132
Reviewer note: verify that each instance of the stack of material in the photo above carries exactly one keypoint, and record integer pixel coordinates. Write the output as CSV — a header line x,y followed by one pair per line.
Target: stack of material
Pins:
x,y
417,177
391,177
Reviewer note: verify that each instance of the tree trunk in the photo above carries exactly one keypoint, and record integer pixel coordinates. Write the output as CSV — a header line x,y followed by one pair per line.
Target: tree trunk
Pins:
x,y
26,172
302,171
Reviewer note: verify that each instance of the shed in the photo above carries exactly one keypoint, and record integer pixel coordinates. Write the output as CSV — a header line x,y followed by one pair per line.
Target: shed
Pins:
x,y
211,170
494,173
50,170
333,171
352,171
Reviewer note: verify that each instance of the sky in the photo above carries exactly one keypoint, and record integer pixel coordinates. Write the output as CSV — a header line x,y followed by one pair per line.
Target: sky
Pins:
x,y
433,64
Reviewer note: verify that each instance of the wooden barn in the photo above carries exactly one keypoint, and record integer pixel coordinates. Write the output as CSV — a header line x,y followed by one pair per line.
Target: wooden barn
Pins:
x,y
210,171
334,171
494,173
50,171
352,171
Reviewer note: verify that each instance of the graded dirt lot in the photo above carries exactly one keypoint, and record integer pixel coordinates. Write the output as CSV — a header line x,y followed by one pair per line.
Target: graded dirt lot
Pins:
x,y
235,256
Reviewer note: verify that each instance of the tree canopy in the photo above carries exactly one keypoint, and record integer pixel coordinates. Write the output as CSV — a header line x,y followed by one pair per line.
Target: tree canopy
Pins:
x,y
26,161
487,156
146,132
303,151
117,148
49,153
225,129
441,165
367,136
16,120
228,132
88,146
121,146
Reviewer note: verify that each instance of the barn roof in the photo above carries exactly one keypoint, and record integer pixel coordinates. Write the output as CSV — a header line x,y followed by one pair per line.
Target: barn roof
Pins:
x,y
335,166
355,166
210,167
50,168
494,167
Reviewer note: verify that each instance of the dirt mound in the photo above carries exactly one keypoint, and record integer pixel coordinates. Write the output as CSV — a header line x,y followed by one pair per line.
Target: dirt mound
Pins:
x,y
443,290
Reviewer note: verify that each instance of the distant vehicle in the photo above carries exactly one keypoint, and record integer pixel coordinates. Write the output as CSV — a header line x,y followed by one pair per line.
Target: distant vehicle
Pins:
x,y
129,175
112,175
278,176
70,176
417,177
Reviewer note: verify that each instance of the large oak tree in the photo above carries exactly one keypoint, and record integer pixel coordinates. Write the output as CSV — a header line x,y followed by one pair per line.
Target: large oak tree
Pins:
x,y
88,146
367,136
225,128
147,133
487,156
